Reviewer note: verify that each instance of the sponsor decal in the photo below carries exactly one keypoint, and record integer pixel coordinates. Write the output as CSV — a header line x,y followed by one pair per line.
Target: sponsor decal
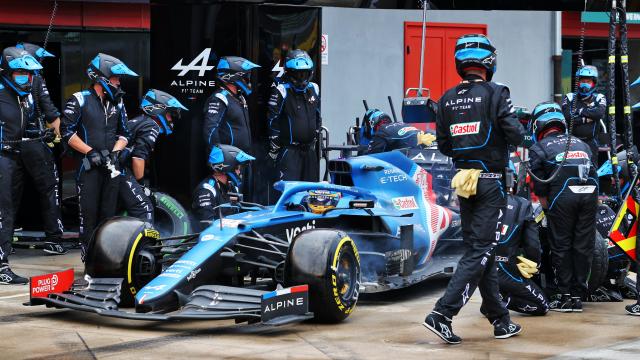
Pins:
x,y
42,285
231,223
419,157
150,233
293,232
469,100
192,275
405,203
467,128
208,237
582,189
285,302
155,288
406,129
573,155
393,178
197,83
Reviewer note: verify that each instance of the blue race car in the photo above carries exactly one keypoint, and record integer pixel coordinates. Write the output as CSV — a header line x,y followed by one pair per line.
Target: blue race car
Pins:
x,y
282,263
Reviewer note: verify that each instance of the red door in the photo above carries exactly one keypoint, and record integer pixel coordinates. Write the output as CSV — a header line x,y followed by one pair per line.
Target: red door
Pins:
x,y
439,66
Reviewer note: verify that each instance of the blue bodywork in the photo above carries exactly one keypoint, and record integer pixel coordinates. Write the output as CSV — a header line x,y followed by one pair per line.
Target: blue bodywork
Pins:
x,y
396,185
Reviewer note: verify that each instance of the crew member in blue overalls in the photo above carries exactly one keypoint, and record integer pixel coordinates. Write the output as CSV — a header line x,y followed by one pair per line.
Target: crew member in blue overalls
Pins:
x,y
226,163
159,110
37,160
94,125
17,69
387,135
294,120
226,113
587,109
570,202
475,125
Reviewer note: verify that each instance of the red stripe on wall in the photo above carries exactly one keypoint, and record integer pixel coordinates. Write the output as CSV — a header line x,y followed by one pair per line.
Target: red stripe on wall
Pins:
x,y
86,15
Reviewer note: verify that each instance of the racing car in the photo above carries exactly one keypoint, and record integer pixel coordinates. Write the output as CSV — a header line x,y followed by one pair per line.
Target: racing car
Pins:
x,y
277,264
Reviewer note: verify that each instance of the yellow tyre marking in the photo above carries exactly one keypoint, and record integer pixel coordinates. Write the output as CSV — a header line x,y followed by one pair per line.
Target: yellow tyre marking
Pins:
x,y
133,250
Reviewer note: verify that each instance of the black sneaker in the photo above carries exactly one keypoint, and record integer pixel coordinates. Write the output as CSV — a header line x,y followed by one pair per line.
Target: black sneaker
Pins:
x,y
633,309
502,330
8,277
441,326
53,248
564,304
576,304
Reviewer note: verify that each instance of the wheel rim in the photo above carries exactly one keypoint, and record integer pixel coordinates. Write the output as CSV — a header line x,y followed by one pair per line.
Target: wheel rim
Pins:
x,y
145,267
346,276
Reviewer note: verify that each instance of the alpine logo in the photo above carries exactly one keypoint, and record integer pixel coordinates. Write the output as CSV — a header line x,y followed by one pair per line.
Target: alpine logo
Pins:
x,y
461,92
279,68
200,64
405,203
573,155
467,128
293,232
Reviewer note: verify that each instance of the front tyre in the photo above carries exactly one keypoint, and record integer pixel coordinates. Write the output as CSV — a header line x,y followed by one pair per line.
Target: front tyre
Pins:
x,y
123,247
328,261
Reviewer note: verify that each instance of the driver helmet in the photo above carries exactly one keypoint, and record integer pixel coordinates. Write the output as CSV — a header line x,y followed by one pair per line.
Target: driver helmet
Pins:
x,y
320,201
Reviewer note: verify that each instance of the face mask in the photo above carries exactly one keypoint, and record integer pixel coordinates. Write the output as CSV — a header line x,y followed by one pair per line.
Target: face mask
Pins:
x,y
22,79
585,89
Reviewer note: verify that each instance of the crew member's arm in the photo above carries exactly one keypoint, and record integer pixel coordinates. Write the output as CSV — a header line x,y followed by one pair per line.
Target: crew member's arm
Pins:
x,y
50,111
379,143
276,106
595,110
530,236
144,142
536,159
443,134
203,205
214,112
71,119
122,132
567,105
508,121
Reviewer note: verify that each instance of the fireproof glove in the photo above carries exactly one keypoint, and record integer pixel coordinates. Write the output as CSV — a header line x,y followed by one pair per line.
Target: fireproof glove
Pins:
x,y
527,267
465,182
95,158
48,136
426,139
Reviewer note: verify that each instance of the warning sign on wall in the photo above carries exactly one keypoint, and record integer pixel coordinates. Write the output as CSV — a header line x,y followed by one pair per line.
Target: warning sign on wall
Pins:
x,y
324,49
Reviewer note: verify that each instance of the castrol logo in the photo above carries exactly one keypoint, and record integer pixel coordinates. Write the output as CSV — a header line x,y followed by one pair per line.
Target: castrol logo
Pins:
x,y
465,128
573,155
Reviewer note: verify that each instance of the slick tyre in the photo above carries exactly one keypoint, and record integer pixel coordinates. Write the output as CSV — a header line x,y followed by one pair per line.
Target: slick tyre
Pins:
x,y
122,247
600,263
171,219
328,261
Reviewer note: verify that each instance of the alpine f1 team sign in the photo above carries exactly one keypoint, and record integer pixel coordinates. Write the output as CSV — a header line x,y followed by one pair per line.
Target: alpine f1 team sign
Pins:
x,y
195,77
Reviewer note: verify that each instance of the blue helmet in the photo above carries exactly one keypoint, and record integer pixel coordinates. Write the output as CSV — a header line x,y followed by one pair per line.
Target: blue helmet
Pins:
x,y
226,159
35,50
373,120
475,50
237,71
298,68
14,59
546,115
587,72
104,66
157,104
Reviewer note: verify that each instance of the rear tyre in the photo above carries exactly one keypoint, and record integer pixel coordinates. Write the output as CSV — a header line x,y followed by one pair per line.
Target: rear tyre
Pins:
x,y
328,261
171,219
600,263
121,247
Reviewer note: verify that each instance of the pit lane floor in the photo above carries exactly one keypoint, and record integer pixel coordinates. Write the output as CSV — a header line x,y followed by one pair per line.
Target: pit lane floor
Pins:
x,y
383,326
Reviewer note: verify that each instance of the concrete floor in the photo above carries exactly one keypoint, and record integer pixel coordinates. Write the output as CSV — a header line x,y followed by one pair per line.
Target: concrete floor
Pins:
x,y
383,326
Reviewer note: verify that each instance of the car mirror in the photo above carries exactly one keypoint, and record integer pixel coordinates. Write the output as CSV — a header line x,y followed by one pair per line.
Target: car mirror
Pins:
x,y
235,198
361,204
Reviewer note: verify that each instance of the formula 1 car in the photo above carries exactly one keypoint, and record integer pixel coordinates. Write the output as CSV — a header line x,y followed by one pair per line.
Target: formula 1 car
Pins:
x,y
386,232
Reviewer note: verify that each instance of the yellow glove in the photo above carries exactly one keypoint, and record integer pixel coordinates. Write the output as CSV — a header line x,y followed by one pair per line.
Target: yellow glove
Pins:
x,y
426,139
465,182
527,267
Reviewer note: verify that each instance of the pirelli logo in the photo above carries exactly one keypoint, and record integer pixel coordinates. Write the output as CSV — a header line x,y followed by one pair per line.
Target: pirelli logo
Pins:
x,y
467,128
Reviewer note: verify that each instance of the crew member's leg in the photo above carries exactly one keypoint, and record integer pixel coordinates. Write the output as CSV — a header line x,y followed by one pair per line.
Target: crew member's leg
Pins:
x,y
583,244
520,294
134,200
561,219
7,167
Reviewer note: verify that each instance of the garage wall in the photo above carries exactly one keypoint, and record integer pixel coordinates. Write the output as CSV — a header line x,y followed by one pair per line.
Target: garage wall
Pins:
x,y
366,57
